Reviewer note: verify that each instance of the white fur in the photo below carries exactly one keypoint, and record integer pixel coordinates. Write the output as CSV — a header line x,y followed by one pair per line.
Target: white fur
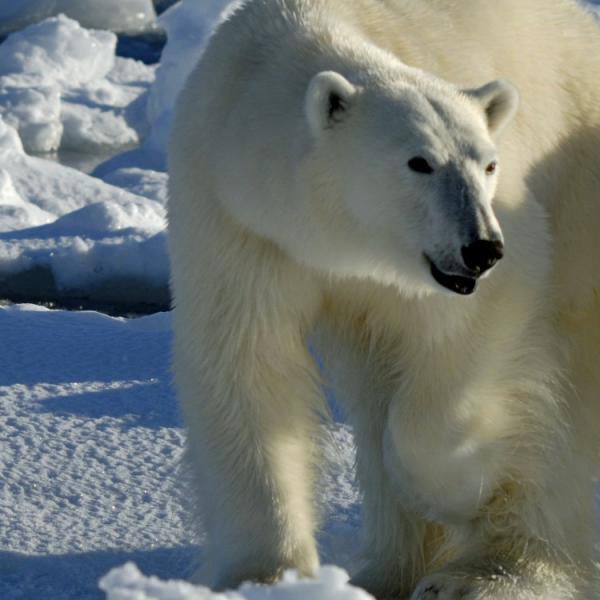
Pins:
x,y
293,213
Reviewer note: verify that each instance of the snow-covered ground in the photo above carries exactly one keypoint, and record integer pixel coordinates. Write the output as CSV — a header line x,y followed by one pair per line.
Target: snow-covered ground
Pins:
x,y
89,445
90,440
89,432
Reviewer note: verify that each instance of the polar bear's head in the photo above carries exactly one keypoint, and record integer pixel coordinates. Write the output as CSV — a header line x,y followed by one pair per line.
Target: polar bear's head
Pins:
x,y
412,167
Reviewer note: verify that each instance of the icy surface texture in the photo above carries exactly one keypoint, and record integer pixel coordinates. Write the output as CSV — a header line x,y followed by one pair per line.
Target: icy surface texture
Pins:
x,y
62,87
91,443
115,15
188,25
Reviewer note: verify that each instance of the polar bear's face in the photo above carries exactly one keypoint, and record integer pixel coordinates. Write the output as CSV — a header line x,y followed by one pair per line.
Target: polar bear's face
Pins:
x,y
417,168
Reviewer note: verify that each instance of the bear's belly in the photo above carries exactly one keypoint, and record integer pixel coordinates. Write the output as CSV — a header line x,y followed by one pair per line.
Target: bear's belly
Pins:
x,y
444,476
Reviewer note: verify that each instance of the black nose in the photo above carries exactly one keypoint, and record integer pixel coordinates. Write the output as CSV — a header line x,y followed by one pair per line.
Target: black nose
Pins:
x,y
482,255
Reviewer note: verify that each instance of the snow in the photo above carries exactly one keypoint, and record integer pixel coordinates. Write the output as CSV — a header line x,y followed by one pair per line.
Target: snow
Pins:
x,y
90,446
58,49
15,213
87,237
50,186
331,583
115,15
189,25
143,182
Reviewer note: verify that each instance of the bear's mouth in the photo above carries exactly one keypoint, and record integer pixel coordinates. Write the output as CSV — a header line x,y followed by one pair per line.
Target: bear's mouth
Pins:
x,y
455,283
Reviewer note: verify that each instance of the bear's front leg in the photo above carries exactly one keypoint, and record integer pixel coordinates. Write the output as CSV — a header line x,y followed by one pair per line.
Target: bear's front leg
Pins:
x,y
249,393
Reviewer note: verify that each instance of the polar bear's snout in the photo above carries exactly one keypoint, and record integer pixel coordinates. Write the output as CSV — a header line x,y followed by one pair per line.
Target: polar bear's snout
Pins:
x,y
478,257
481,255
464,235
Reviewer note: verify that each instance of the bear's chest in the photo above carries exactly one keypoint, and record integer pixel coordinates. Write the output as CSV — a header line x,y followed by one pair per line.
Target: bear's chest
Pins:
x,y
443,467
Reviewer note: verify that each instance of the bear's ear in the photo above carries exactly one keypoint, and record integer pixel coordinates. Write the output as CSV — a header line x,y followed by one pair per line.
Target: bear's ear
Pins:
x,y
499,100
328,97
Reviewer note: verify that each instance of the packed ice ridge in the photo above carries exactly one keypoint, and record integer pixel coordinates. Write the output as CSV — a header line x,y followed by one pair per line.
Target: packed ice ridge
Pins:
x,y
62,88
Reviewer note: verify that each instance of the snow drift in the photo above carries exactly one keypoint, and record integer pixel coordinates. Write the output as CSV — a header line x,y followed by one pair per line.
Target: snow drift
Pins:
x,y
331,583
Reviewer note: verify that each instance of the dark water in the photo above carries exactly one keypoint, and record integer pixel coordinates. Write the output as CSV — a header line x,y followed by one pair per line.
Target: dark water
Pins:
x,y
162,5
146,47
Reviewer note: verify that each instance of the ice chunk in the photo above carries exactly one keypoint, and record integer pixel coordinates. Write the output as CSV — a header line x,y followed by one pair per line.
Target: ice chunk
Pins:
x,y
10,142
115,15
58,50
15,213
188,24
35,112
62,87
101,218
51,187
89,129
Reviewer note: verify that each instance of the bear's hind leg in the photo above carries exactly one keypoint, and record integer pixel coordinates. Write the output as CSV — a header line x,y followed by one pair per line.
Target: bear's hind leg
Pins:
x,y
537,547
396,543
541,579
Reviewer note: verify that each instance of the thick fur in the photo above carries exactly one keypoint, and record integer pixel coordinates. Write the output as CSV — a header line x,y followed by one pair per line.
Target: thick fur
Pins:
x,y
293,214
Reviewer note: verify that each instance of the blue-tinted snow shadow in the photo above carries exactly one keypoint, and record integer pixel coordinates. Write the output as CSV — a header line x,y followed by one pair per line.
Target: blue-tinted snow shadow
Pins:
x,y
75,576
339,540
90,365
57,347
144,404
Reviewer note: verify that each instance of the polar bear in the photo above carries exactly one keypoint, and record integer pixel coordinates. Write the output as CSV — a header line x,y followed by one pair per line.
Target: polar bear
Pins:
x,y
363,173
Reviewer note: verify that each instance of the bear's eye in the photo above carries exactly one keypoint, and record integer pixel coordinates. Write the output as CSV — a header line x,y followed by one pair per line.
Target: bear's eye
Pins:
x,y
420,165
491,168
